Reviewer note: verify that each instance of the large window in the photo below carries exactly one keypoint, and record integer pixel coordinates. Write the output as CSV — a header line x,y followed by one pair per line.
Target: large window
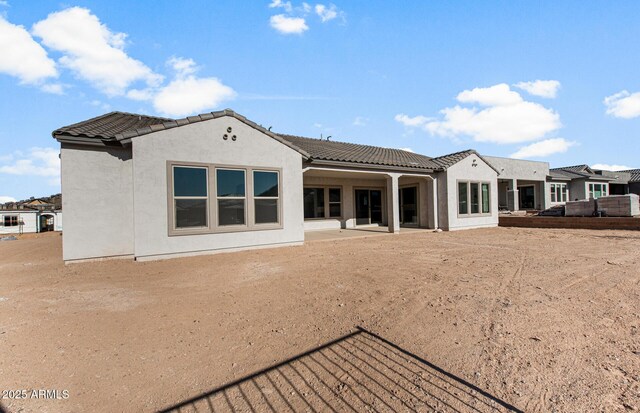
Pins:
x,y
231,194
10,221
474,198
265,197
558,192
322,202
597,190
190,196
209,198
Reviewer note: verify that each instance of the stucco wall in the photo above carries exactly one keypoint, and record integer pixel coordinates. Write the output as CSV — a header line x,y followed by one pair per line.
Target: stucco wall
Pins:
x,y
519,168
577,189
202,142
97,199
464,170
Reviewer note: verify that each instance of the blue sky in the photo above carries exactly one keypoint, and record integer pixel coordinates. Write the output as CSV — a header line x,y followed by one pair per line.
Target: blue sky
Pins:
x,y
544,80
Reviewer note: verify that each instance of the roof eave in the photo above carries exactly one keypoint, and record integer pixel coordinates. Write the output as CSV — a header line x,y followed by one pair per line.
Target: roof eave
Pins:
x,y
359,165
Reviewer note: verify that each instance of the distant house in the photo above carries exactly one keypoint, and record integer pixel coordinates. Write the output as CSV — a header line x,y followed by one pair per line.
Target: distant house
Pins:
x,y
579,182
33,215
522,184
219,181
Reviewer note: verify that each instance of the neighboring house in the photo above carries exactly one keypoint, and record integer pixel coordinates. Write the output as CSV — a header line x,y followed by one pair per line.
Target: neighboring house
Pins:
x,y
522,184
577,182
218,181
23,219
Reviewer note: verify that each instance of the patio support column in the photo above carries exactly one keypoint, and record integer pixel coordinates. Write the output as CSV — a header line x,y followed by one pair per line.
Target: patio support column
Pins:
x,y
513,201
393,203
434,203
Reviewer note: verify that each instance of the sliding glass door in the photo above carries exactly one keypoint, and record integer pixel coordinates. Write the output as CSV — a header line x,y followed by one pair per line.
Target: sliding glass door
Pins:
x,y
368,206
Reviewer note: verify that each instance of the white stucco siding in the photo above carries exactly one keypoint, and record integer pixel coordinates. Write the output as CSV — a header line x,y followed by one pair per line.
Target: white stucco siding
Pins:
x,y
97,199
203,142
465,171
27,222
519,168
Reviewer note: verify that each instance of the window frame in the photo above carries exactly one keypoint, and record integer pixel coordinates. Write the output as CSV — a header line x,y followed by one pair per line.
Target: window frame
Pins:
x,y
479,184
591,189
173,198
327,202
213,226
12,218
561,192
277,198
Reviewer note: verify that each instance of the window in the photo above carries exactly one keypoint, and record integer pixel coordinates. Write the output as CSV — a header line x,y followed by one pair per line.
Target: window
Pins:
x,y
322,202
190,196
485,198
462,198
558,192
206,198
597,190
231,195
265,197
335,202
474,198
10,220
313,203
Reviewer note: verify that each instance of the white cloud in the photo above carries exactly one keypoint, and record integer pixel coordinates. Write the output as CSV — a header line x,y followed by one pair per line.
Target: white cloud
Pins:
x,y
623,105
608,167
543,148
186,93
542,88
501,116
326,13
360,121
22,56
498,95
288,25
54,88
41,162
92,51
4,3
183,67
5,199
411,121
286,5
407,149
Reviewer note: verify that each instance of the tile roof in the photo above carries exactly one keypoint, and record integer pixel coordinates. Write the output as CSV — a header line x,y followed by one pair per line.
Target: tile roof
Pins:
x,y
363,154
576,172
635,175
121,127
109,126
446,161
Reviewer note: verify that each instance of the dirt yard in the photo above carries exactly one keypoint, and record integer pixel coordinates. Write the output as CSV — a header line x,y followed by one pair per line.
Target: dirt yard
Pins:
x,y
540,319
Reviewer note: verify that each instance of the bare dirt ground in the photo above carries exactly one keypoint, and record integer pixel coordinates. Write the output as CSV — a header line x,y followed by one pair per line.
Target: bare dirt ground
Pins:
x,y
541,319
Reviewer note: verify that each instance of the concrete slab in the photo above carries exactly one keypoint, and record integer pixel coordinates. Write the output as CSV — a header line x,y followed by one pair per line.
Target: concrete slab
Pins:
x,y
333,234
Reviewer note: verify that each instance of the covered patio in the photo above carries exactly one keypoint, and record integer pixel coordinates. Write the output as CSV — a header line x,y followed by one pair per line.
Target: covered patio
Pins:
x,y
368,200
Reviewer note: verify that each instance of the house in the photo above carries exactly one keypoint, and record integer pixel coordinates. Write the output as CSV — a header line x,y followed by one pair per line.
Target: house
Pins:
x,y
146,187
577,182
21,219
522,184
